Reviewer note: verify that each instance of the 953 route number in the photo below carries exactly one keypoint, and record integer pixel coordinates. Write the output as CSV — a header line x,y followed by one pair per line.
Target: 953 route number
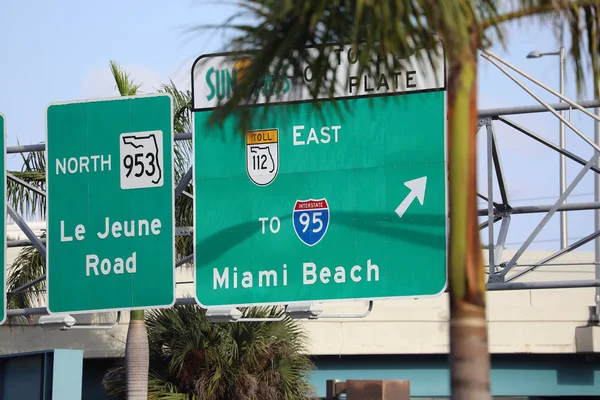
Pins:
x,y
141,160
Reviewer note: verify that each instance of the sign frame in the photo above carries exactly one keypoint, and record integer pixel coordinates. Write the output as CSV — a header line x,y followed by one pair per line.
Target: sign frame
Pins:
x,y
443,87
170,149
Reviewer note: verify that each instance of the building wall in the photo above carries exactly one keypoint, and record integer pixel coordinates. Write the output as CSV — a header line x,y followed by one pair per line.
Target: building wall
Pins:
x,y
515,375
538,321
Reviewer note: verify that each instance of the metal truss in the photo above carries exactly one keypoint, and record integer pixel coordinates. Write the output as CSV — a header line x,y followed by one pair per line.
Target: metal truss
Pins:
x,y
499,210
502,275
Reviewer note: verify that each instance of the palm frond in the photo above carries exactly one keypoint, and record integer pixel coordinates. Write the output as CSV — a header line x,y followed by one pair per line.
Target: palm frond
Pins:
x,y
220,361
25,201
125,85
182,117
279,34
26,267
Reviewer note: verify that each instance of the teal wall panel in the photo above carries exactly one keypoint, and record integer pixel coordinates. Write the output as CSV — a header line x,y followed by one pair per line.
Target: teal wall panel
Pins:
x,y
511,375
43,375
67,374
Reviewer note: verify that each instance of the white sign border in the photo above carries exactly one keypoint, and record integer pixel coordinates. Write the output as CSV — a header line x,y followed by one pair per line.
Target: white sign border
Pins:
x,y
5,209
443,88
172,149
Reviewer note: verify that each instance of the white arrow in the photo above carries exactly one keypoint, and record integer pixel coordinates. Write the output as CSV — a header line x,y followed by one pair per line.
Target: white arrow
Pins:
x,y
417,189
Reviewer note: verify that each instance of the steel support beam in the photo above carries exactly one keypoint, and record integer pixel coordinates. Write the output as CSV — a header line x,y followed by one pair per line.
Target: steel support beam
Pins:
x,y
183,182
25,312
26,184
502,239
27,231
486,222
490,184
28,148
573,104
22,243
533,109
543,285
554,256
545,104
546,208
549,214
26,286
485,198
545,142
498,168
184,260
484,113
42,146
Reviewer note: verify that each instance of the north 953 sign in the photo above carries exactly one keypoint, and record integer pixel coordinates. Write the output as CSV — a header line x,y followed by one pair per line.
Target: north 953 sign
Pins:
x,y
141,155
311,220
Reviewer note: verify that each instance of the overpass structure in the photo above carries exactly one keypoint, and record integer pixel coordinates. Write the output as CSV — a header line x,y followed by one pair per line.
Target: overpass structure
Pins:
x,y
543,342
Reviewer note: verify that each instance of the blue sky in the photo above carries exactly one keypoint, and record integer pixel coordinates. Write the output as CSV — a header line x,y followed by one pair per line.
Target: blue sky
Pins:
x,y
60,50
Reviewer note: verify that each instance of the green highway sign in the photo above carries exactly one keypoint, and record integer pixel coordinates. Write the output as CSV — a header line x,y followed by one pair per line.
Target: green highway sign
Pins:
x,y
110,208
324,205
3,217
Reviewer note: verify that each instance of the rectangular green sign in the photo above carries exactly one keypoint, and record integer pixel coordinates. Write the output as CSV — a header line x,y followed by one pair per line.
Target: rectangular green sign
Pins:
x,y
111,225
310,205
3,217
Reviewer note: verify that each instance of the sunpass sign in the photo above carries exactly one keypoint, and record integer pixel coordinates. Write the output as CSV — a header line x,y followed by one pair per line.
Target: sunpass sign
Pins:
x,y
316,206
214,77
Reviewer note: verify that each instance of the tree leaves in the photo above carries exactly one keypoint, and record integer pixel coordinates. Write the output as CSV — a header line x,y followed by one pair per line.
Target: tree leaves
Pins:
x,y
221,361
279,33
25,201
124,83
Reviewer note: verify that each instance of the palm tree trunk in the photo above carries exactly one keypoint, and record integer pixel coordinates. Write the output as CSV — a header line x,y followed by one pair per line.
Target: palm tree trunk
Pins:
x,y
136,355
469,356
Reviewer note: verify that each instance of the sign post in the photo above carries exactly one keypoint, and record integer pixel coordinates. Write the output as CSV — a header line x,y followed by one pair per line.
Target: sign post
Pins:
x,y
320,206
111,225
3,217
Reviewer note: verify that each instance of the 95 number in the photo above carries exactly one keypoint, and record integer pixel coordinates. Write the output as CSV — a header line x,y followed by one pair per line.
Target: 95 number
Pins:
x,y
304,220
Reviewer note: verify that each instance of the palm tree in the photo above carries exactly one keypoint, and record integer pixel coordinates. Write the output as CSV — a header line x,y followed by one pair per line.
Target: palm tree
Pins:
x,y
136,345
192,358
279,32
29,264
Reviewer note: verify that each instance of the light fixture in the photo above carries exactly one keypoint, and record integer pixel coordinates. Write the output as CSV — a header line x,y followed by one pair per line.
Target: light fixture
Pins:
x,y
534,54
303,310
223,314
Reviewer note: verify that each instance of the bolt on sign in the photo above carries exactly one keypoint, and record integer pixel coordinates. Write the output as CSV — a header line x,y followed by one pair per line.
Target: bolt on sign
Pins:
x,y
316,206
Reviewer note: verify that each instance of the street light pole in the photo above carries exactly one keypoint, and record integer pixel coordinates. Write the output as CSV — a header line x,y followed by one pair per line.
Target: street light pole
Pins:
x,y
562,142
563,160
597,199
